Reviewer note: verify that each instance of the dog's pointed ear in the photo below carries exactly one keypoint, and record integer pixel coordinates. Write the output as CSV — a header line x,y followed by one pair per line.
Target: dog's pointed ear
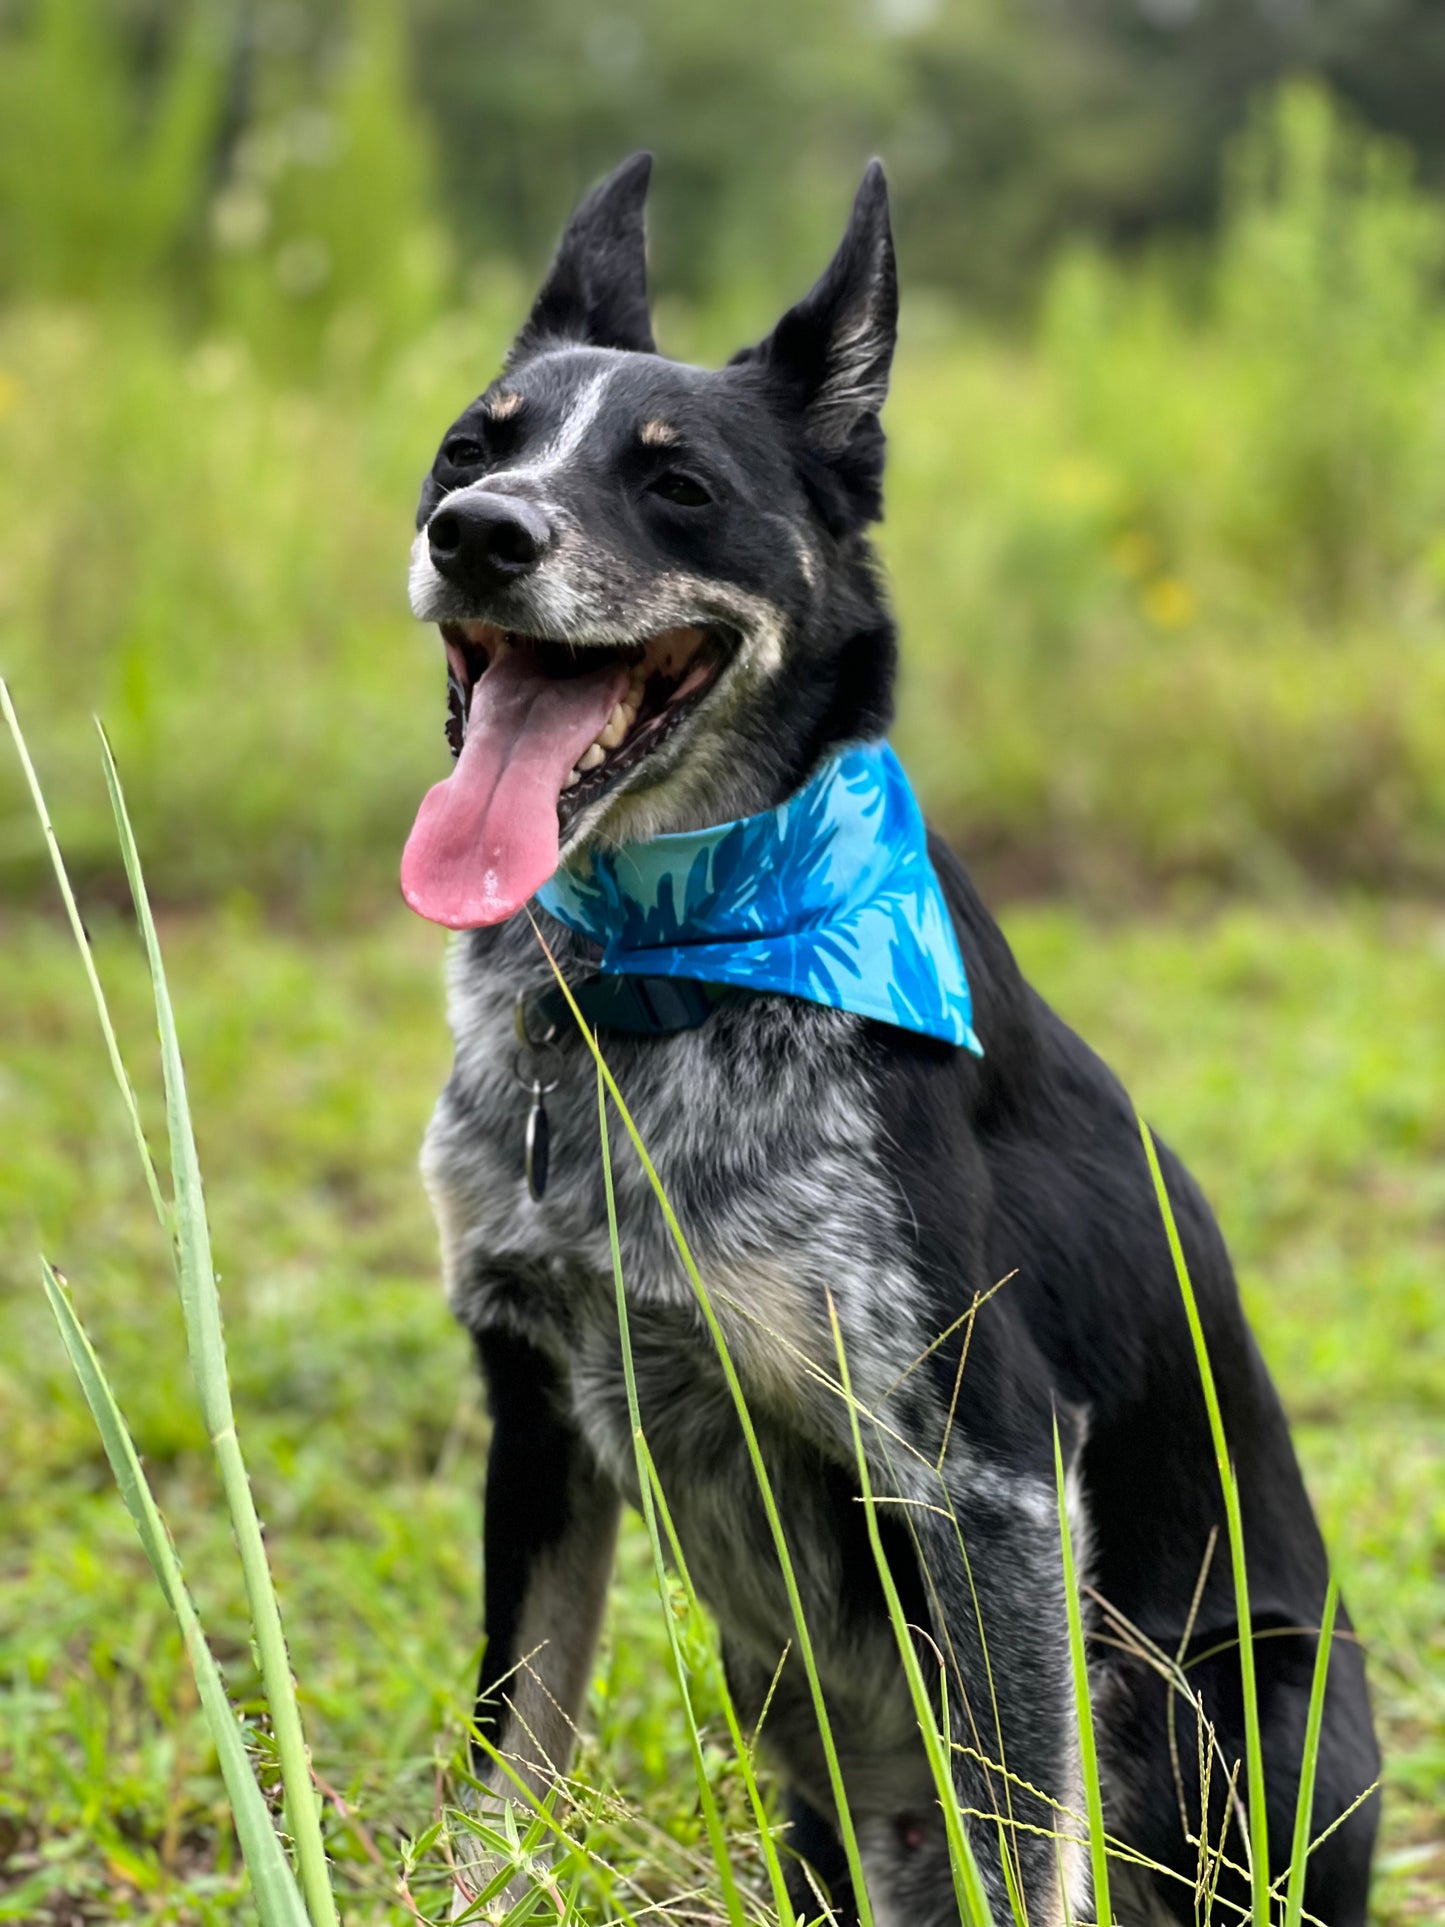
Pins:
x,y
596,289
830,355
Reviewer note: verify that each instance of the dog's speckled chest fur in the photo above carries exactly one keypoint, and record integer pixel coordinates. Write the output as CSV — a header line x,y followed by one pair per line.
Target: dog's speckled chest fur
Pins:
x,y
761,1127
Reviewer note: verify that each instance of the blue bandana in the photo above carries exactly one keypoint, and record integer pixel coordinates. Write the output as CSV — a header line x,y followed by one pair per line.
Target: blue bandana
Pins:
x,y
831,897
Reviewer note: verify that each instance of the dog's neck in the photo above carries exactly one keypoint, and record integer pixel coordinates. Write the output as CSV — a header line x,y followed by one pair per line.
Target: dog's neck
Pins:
x,y
830,897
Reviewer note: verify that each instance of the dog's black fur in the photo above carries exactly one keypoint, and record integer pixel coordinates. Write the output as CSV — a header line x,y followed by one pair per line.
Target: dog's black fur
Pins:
x,y
813,1155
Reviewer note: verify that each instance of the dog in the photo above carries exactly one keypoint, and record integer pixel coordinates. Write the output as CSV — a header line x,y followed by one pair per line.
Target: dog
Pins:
x,y
661,612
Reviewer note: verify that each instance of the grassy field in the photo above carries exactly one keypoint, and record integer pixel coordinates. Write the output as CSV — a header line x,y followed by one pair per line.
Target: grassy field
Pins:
x,y
1294,1058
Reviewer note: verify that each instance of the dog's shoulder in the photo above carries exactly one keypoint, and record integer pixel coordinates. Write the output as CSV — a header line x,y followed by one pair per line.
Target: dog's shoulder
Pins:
x,y
1029,1159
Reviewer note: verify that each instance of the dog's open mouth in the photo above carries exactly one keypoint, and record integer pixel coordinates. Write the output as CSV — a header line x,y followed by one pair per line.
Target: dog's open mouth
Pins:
x,y
540,730
667,675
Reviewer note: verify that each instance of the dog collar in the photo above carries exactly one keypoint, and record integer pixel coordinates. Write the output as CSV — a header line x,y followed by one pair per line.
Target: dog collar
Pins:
x,y
831,898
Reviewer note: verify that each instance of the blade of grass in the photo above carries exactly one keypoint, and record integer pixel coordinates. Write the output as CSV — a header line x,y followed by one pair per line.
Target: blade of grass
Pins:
x,y
82,941
967,1881
767,1845
1253,1747
846,1830
1083,1705
717,1840
1304,1805
201,1306
278,1899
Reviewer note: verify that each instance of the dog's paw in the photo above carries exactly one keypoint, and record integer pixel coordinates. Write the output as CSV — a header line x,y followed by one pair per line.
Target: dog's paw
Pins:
x,y
487,1891
500,1860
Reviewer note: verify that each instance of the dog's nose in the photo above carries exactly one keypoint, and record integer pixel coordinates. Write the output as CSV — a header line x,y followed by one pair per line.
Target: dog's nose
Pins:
x,y
482,541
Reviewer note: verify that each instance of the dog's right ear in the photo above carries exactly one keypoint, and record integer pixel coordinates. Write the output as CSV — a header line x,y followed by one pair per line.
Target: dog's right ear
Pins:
x,y
596,289
828,359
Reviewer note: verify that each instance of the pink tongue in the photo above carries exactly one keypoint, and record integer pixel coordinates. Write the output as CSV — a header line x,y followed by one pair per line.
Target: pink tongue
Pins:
x,y
486,838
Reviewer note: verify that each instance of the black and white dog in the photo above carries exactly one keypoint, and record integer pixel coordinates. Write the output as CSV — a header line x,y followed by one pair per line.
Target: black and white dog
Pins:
x,y
688,549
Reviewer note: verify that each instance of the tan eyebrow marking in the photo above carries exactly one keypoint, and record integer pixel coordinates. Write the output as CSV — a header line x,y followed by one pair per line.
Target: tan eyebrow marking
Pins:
x,y
658,434
502,407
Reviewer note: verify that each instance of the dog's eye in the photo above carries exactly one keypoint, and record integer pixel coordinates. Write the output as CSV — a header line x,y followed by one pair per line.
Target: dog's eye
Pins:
x,y
463,453
683,490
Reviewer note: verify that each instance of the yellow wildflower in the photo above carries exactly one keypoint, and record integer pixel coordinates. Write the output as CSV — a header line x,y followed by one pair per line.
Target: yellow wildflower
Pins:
x,y
1169,603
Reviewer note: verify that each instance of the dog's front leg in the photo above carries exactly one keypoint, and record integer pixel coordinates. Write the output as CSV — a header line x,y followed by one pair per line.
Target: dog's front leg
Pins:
x,y
990,1552
548,1536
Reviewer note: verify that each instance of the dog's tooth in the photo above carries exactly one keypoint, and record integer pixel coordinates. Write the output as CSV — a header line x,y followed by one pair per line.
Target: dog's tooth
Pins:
x,y
591,757
616,728
573,776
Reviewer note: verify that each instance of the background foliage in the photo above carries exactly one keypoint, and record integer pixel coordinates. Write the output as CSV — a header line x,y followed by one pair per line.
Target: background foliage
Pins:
x,y
1167,535
1169,546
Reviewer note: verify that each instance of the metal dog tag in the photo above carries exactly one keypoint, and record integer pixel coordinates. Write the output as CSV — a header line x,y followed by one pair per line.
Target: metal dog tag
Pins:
x,y
537,1137
537,1143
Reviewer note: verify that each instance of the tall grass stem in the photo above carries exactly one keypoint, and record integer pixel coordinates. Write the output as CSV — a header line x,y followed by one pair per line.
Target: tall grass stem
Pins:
x,y
643,1459
82,942
1253,1746
846,1829
278,1899
646,1468
201,1306
1314,1721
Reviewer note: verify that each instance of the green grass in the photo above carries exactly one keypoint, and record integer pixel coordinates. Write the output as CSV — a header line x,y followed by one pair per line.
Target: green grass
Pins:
x,y
1288,1057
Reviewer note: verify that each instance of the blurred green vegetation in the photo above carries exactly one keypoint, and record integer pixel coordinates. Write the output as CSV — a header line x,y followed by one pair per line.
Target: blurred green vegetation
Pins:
x,y
1170,555
160,126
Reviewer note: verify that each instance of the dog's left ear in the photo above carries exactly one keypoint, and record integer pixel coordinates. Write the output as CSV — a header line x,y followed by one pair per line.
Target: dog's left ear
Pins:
x,y
830,355
596,289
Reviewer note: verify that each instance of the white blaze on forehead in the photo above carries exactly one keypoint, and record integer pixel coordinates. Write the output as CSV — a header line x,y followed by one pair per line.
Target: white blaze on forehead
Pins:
x,y
585,407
